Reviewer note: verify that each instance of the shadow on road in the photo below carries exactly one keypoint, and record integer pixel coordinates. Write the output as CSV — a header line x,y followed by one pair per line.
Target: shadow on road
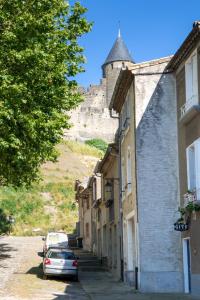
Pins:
x,y
37,271
73,291
5,253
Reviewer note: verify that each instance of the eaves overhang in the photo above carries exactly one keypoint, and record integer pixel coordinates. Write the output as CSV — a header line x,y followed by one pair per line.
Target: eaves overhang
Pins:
x,y
111,150
122,86
186,48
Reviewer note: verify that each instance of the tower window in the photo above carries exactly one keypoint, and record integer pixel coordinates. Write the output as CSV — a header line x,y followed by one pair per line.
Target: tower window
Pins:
x,y
123,65
112,66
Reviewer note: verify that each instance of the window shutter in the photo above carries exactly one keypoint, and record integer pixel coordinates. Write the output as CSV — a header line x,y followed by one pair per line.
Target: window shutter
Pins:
x,y
191,174
189,79
180,88
194,76
129,179
197,167
198,73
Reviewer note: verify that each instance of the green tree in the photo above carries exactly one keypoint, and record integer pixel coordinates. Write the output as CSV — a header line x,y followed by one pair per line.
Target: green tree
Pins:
x,y
39,56
98,143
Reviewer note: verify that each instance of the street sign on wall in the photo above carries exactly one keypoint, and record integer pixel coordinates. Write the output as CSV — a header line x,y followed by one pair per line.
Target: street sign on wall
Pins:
x,y
181,227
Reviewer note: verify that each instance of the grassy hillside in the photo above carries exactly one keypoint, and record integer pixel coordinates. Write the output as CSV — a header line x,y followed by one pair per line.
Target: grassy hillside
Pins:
x,y
50,204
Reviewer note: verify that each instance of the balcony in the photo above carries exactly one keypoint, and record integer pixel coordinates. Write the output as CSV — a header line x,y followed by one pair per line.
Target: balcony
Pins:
x,y
190,109
191,196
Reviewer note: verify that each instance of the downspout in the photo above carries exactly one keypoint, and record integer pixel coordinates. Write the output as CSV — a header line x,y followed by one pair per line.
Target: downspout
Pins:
x,y
120,200
113,117
137,268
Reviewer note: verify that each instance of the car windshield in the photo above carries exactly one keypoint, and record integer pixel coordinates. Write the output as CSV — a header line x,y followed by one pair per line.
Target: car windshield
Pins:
x,y
61,255
54,238
57,238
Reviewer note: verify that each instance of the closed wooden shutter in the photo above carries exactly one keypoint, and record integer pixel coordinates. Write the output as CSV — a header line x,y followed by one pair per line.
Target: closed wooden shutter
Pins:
x,y
198,73
180,89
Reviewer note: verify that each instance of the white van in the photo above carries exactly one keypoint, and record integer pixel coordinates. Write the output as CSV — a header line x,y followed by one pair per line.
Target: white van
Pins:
x,y
55,239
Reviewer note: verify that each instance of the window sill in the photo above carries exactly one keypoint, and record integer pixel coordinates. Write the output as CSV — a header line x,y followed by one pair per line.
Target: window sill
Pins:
x,y
190,114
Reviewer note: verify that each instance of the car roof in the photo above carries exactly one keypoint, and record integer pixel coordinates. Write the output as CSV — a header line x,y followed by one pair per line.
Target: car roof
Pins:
x,y
56,232
59,249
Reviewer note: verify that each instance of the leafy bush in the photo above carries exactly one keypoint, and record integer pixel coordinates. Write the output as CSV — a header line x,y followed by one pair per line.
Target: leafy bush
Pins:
x,y
98,143
48,205
4,224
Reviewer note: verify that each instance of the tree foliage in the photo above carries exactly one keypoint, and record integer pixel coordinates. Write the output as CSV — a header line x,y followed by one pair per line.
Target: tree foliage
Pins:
x,y
5,226
98,143
39,55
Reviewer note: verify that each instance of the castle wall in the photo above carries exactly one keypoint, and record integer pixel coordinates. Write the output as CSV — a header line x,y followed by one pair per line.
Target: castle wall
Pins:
x,y
92,118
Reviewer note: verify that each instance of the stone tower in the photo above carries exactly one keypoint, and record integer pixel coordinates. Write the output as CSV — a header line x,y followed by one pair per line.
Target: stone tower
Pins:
x,y
118,58
92,118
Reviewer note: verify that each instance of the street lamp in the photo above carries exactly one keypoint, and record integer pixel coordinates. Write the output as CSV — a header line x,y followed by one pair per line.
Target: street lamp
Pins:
x,y
108,190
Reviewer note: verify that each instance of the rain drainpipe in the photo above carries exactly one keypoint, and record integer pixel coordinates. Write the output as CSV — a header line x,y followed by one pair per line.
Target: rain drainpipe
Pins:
x,y
120,200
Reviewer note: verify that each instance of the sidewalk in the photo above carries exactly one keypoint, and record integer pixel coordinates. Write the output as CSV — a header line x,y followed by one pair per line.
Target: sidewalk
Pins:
x,y
99,284
102,286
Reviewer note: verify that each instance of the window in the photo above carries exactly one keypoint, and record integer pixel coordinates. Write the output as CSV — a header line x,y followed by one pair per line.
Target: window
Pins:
x,y
94,190
111,212
190,83
88,202
61,255
193,167
125,114
99,215
129,174
191,78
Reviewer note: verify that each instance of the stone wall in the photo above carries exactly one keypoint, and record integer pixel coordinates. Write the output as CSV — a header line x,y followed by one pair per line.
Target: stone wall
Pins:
x,y
157,181
92,118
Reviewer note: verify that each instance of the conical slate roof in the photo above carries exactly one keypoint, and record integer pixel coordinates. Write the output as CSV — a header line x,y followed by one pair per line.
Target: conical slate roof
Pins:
x,y
119,52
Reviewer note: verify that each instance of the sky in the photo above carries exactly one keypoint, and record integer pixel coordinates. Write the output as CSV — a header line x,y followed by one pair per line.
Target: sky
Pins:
x,y
150,28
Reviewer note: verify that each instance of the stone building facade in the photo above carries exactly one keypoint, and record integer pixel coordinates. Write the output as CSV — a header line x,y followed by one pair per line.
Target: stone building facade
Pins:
x,y
92,118
186,68
84,200
109,211
158,167
144,97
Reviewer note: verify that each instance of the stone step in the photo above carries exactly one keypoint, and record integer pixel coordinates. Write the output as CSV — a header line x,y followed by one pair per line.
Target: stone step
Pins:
x,y
81,251
89,262
85,254
88,257
92,269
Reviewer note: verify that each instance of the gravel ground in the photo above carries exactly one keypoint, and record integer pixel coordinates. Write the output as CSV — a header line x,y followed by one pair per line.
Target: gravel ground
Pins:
x,y
21,273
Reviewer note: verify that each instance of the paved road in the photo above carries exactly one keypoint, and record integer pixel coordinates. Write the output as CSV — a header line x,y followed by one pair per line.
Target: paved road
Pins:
x,y
21,278
21,273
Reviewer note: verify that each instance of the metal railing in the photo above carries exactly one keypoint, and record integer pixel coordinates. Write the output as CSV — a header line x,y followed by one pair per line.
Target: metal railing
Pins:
x,y
188,104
